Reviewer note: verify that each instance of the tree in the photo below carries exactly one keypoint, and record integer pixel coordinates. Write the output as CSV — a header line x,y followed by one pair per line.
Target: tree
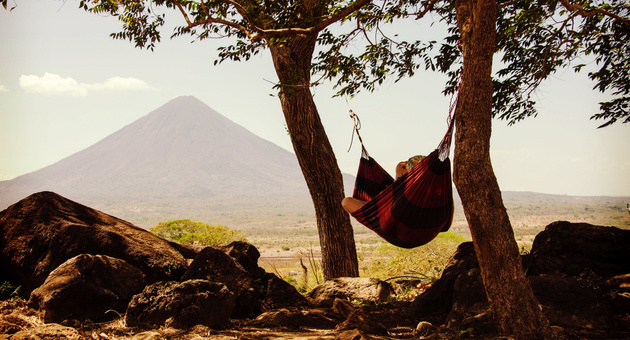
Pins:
x,y
534,39
191,232
289,28
529,61
512,300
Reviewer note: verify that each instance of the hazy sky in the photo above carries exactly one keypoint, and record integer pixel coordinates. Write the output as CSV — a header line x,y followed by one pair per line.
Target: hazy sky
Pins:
x,y
65,85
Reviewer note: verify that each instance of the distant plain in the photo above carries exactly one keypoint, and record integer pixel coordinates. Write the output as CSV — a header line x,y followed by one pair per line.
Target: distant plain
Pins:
x,y
284,229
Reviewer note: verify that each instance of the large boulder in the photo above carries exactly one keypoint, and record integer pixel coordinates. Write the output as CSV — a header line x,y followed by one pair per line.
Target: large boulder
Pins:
x,y
591,252
566,301
281,294
44,230
351,288
572,302
214,265
577,272
438,299
86,287
246,255
181,305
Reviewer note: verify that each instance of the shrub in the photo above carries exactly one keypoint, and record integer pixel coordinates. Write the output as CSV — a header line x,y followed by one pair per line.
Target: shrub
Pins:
x,y
426,261
191,232
8,290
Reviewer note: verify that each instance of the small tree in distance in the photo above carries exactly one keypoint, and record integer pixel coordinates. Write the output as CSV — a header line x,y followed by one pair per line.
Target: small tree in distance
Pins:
x,y
189,232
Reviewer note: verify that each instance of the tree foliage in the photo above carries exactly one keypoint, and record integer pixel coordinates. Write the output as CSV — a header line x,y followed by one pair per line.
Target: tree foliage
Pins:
x,y
535,40
189,232
538,39
253,24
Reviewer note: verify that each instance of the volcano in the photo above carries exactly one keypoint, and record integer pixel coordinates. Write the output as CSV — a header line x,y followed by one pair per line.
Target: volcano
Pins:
x,y
181,152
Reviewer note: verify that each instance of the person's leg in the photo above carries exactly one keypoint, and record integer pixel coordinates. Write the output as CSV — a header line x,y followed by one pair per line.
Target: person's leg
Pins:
x,y
351,204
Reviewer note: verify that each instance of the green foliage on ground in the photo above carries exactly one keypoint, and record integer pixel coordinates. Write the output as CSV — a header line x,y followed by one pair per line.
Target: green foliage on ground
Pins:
x,y
8,290
426,262
189,232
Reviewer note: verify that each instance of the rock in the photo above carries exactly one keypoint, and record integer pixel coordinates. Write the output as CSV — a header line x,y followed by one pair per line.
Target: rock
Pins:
x,y
281,317
281,294
569,302
597,254
214,265
470,305
620,283
148,335
50,331
11,324
181,305
438,299
188,252
342,308
620,302
572,302
581,250
618,293
351,288
246,255
44,230
352,334
86,287
294,319
424,328
364,322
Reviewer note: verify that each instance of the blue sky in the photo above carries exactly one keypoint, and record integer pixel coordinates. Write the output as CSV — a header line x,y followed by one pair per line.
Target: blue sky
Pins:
x,y
65,85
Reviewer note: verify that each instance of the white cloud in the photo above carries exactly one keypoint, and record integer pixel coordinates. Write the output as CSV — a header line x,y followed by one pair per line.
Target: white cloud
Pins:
x,y
120,83
54,84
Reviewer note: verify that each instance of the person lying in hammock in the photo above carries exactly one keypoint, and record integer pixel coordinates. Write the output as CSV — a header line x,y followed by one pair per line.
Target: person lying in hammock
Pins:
x,y
351,204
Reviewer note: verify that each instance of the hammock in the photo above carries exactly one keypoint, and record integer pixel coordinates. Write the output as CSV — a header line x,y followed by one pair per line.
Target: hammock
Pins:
x,y
412,210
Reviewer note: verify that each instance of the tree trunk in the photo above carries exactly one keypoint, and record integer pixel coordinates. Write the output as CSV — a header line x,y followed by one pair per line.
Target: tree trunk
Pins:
x,y
292,61
513,304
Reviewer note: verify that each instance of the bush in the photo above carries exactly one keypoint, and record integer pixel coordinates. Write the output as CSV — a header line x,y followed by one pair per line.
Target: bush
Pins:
x,y
189,232
8,290
426,261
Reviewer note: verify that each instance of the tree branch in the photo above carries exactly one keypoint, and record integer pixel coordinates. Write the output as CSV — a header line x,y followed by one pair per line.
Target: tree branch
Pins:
x,y
585,13
257,33
211,20
429,7
184,14
341,14
243,13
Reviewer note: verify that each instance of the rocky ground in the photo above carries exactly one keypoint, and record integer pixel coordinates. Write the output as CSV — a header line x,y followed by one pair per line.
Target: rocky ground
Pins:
x,y
87,275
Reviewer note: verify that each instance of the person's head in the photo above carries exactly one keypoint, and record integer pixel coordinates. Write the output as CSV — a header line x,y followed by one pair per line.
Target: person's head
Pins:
x,y
411,162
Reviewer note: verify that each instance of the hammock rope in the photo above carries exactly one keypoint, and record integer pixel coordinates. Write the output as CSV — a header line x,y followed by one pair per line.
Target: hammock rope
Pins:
x,y
357,126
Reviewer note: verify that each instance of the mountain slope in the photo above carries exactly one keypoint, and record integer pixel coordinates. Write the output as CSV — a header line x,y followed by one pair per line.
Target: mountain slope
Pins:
x,y
183,149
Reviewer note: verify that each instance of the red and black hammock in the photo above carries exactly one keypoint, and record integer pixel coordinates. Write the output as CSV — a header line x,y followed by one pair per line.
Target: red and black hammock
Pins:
x,y
412,210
